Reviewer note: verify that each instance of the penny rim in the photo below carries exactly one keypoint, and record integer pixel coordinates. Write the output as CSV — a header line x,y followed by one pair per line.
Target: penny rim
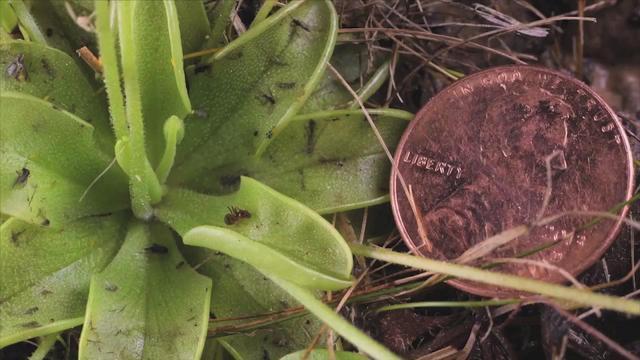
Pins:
x,y
589,259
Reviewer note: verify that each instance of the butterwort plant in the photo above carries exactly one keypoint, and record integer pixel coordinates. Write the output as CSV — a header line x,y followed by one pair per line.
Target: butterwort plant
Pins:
x,y
182,177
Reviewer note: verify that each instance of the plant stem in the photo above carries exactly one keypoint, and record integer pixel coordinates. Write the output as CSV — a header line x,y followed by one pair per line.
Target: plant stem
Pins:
x,y
258,29
264,11
45,345
335,321
373,84
573,295
27,21
145,186
110,70
394,113
8,18
220,19
448,304
262,257
173,134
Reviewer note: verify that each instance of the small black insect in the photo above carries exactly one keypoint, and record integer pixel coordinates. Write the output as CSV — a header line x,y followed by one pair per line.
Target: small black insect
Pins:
x,y
277,61
156,249
286,85
300,24
31,324
270,134
45,222
235,214
267,98
49,70
111,287
235,55
310,130
23,176
17,70
102,215
31,311
15,237
202,68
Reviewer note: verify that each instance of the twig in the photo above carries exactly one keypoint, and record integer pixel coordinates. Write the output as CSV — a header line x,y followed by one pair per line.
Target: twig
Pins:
x,y
88,57
581,4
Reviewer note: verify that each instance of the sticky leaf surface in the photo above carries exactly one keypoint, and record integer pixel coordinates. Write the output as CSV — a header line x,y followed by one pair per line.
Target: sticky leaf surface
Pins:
x,y
48,161
147,304
45,273
330,161
248,96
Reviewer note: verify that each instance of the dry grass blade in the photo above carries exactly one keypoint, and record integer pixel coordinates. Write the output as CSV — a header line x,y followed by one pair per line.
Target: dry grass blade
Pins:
x,y
504,20
509,29
424,35
381,141
583,297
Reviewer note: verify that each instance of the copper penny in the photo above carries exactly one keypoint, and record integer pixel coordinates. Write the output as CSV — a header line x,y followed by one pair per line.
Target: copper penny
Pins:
x,y
476,158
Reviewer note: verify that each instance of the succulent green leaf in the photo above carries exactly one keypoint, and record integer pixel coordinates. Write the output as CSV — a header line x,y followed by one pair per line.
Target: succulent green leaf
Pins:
x,y
8,19
143,180
110,69
173,135
45,273
330,161
280,224
152,58
263,215
249,93
194,24
262,257
30,28
264,11
51,171
323,354
147,304
5,37
54,76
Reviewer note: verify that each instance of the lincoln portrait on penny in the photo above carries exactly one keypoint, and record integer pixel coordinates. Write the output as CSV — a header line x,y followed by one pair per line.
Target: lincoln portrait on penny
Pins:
x,y
518,143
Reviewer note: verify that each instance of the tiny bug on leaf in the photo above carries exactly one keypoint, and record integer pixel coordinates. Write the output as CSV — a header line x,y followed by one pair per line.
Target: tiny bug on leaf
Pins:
x,y
23,176
17,70
301,25
235,214
156,249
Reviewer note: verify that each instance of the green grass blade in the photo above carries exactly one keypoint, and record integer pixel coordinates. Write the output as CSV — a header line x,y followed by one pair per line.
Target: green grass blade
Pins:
x,y
579,296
